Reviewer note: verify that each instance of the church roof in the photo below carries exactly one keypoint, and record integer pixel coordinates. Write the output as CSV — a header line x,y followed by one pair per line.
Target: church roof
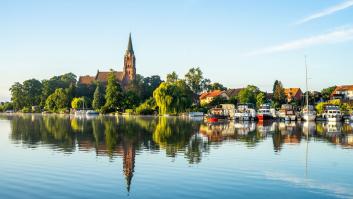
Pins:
x,y
129,45
86,79
103,76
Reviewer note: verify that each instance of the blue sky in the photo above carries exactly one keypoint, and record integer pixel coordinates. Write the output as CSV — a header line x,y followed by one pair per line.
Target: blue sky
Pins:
x,y
234,42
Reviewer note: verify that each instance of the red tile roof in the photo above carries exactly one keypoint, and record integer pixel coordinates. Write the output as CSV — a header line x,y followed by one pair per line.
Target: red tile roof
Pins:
x,y
86,79
344,88
214,93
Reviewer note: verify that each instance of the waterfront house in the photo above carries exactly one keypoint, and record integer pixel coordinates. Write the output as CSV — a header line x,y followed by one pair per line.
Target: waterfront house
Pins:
x,y
344,92
232,92
293,94
208,97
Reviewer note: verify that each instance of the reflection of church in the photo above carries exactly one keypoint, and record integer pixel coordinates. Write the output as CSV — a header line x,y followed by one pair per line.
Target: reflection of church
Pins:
x,y
128,162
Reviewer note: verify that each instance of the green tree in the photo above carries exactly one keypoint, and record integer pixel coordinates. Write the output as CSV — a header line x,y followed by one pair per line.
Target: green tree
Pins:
x,y
147,108
57,101
77,103
279,97
173,98
98,97
32,90
260,99
248,94
194,79
217,86
326,92
114,95
172,77
130,100
17,96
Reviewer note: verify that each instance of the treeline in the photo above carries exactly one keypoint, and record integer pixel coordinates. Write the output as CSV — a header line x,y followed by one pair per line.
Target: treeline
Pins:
x,y
144,95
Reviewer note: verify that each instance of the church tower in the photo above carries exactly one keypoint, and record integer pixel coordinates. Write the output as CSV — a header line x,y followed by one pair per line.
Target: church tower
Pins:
x,y
129,63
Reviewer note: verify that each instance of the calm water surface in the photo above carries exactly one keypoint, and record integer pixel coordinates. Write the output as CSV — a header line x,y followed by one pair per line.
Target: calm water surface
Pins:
x,y
151,157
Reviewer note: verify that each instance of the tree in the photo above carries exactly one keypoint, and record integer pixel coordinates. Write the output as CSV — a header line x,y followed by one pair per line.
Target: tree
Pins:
x,y
78,103
130,100
172,77
17,96
326,92
98,97
194,80
147,108
279,97
260,99
248,94
113,96
32,90
57,101
173,98
149,85
217,86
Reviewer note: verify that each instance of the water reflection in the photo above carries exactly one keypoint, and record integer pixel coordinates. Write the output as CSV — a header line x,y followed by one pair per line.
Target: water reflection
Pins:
x,y
125,136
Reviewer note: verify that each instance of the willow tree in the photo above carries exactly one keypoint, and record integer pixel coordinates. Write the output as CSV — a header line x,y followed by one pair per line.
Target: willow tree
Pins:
x,y
173,97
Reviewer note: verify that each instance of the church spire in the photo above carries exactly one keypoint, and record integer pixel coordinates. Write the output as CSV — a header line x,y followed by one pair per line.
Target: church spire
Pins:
x,y
129,46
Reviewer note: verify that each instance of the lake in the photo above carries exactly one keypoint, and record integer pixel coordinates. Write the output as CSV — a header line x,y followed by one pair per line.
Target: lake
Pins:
x,y
58,156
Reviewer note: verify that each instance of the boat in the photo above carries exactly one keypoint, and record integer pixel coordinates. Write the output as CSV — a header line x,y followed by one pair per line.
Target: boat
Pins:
x,y
195,114
264,113
332,113
308,112
287,113
92,112
245,112
216,115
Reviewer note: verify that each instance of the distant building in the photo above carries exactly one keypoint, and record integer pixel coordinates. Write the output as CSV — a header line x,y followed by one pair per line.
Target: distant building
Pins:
x,y
344,92
232,92
208,97
293,94
123,77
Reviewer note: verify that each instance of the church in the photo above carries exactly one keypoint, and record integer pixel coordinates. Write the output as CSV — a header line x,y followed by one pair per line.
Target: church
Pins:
x,y
123,77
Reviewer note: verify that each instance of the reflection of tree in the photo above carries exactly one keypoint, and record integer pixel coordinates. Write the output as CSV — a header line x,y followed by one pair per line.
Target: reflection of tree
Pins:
x,y
195,148
173,134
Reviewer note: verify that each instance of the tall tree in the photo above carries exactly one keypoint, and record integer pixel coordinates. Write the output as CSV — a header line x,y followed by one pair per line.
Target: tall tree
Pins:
x,y
248,94
279,97
172,77
260,99
32,90
194,80
98,97
57,101
17,96
173,98
217,86
326,92
114,95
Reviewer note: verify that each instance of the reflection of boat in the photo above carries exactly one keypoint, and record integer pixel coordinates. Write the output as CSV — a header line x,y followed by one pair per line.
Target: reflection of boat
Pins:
x,y
332,113
309,128
287,112
245,112
243,128
264,113
265,126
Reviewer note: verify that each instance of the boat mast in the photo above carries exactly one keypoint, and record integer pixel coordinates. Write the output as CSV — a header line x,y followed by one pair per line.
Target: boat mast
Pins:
x,y
306,85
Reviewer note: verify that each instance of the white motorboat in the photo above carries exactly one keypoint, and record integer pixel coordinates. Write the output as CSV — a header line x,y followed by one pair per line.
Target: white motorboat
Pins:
x,y
245,112
332,113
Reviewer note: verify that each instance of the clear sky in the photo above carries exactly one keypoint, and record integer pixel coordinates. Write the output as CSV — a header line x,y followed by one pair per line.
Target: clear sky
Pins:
x,y
234,42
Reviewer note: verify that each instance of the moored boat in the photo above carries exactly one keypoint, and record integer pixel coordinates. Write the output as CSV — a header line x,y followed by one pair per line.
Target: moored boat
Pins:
x,y
216,115
245,112
264,113
287,112
332,113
